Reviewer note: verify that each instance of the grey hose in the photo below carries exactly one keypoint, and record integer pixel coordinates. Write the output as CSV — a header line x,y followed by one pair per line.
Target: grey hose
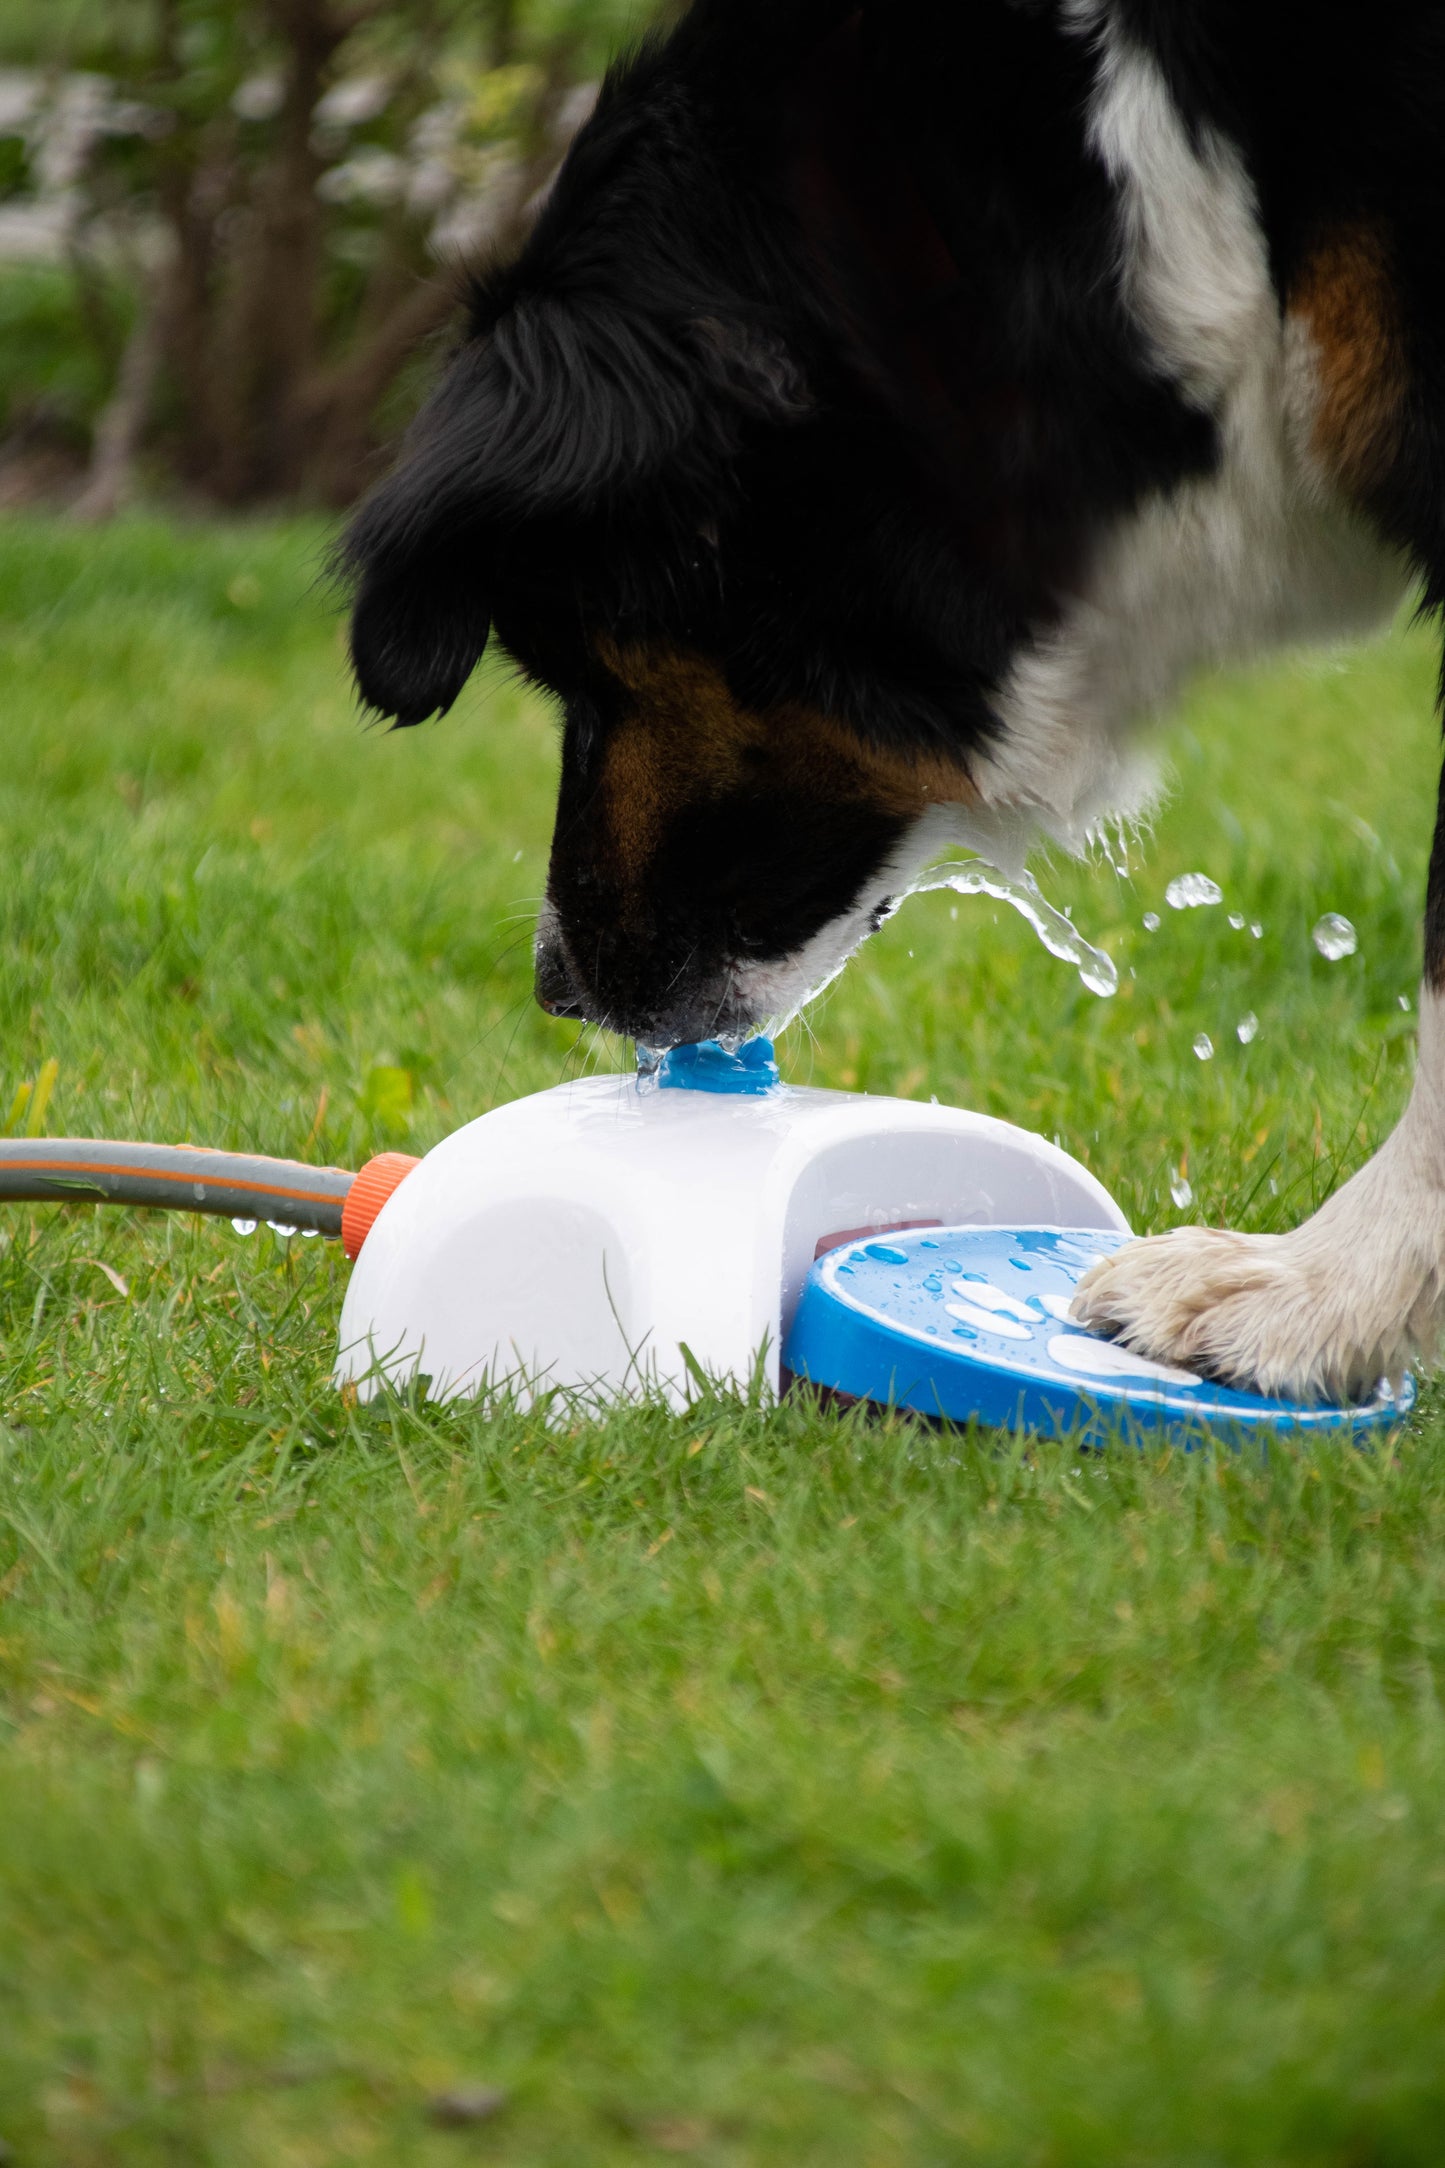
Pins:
x,y
227,1185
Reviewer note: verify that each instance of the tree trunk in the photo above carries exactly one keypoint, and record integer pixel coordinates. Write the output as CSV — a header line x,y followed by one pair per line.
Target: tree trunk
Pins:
x,y
267,346
122,424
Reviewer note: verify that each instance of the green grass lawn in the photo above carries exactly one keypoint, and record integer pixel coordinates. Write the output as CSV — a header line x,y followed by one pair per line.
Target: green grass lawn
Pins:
x,y
756,1786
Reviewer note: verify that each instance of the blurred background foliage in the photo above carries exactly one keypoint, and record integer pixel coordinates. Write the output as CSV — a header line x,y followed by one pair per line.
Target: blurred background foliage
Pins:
x,y
233,232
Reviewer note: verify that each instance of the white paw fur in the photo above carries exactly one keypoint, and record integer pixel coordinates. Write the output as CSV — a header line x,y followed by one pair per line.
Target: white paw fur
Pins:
x,y
1353,1295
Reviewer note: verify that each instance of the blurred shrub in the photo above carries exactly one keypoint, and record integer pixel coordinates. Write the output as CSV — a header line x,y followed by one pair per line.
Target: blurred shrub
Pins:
x,y
251,216
52,373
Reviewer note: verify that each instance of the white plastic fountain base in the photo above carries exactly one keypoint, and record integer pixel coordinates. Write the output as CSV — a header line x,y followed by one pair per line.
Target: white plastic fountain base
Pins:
x,y
585,1238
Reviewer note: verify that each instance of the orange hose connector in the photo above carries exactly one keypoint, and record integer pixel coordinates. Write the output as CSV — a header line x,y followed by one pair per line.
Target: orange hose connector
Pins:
x,y
378,1180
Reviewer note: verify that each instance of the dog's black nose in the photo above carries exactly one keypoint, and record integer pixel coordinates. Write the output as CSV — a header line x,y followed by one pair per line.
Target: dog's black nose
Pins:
x,y
555,984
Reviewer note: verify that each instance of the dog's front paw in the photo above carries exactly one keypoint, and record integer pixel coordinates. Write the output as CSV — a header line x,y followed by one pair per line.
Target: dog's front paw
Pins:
x,y
1275,1314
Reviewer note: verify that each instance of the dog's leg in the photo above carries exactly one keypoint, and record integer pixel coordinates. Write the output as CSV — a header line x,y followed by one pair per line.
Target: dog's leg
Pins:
x,y
1347,1298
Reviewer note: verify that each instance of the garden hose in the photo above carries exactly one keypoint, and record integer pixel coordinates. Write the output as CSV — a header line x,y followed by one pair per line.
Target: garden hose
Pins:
x,y
183,1178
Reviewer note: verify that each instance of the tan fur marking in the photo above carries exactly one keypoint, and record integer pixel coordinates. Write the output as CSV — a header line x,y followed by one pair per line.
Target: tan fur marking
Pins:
x,y
687,740
1345,297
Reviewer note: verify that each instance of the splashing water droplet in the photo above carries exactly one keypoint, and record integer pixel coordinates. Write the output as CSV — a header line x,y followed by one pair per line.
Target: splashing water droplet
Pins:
x,y
1247,1028
978,878
1204,1047
1111,840
1181,1191
1152,922
280,1229
1192,891
1335,937
244,1227
649,1064
1236,921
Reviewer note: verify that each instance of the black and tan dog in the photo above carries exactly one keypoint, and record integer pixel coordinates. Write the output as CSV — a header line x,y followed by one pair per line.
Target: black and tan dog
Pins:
x,y
892,404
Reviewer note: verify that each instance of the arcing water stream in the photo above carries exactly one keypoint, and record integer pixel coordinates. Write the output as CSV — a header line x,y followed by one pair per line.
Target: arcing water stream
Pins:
x,y
1059,935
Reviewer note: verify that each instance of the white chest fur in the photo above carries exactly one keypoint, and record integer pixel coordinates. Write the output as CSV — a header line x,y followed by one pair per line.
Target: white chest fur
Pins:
x,y
1259,553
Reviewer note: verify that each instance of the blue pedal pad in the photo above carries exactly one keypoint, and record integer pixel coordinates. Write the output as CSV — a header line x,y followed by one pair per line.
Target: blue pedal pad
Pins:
x,y
972,1323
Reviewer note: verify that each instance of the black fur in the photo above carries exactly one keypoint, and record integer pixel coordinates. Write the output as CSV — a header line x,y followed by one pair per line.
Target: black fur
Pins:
x,y
818,366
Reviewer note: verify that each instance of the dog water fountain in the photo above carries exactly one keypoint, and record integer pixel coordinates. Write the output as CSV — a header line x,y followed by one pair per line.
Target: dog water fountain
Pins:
x,y
708,1224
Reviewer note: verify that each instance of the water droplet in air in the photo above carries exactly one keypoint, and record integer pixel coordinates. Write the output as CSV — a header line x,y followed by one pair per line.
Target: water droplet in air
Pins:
x,y
1335,937
1113,843
1236,921
1257,930
1152,922
1191,891
1405,1002
1247,1028
1181,1191
1204,1047
281,1230
309,1234
244,1227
